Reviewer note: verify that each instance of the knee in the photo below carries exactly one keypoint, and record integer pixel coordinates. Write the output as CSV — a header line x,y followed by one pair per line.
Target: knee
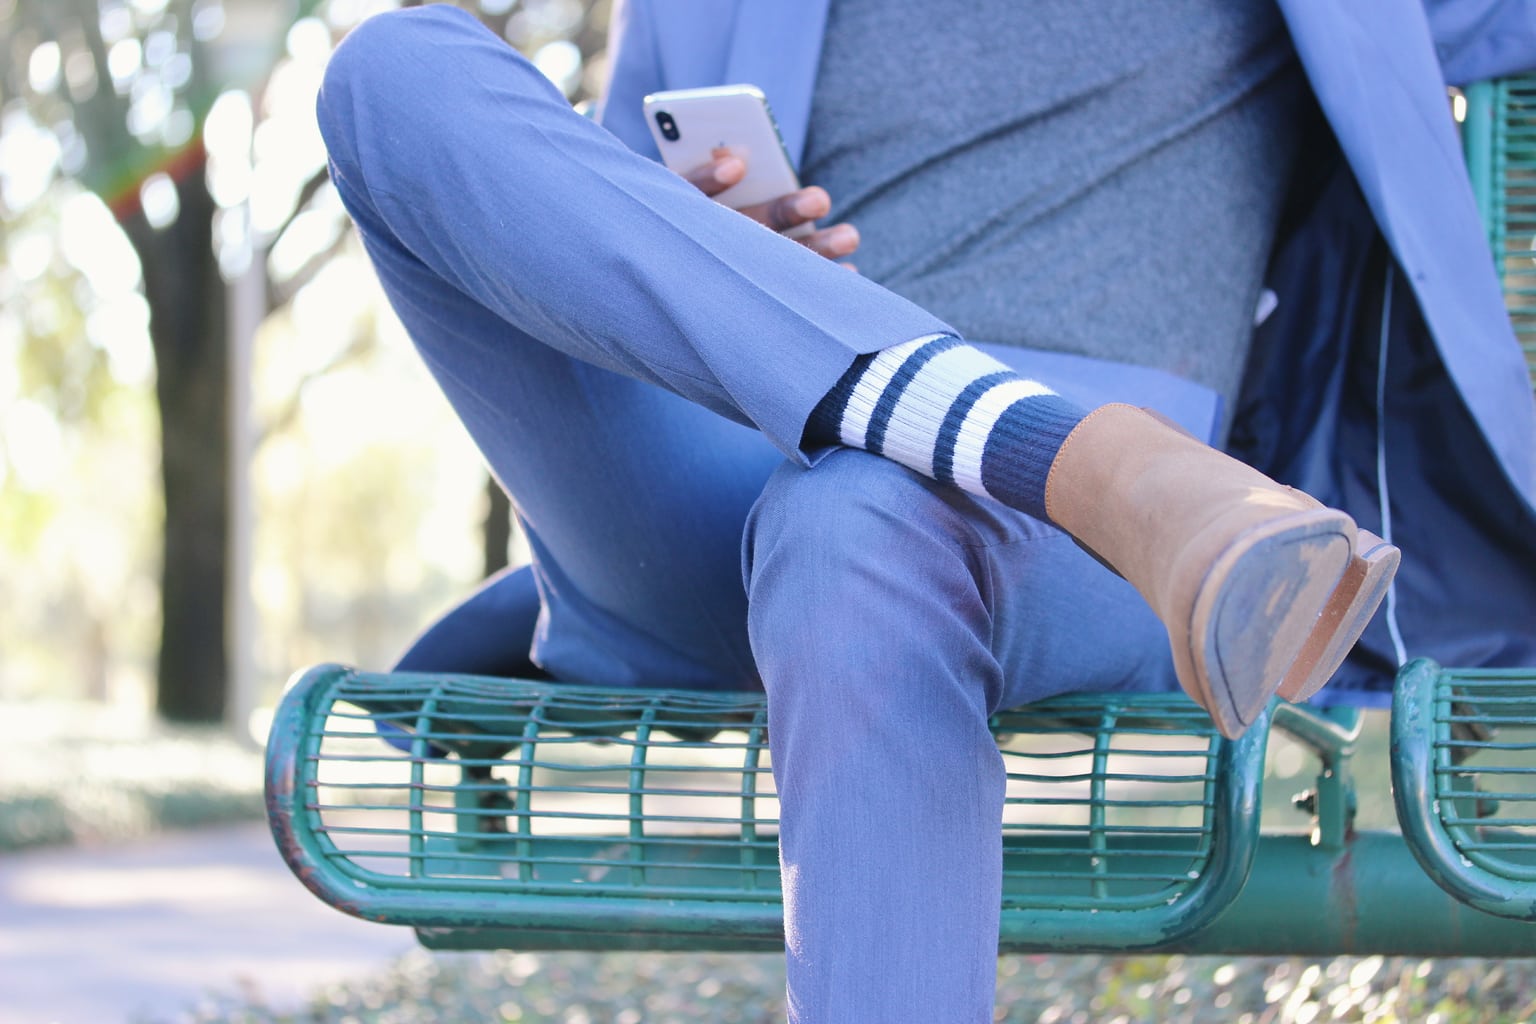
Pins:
x,y
869,607
364,71
376,53
849,511
401,65
844,558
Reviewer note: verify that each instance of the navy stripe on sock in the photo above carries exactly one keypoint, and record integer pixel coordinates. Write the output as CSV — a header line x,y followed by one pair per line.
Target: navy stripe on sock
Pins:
x,y
826,422
1021,447
949,430
874,437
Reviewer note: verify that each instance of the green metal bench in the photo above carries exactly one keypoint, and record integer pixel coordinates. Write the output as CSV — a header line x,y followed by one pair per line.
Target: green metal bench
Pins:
x,y
576,817
1500,142
1464,742
536,815
1464,782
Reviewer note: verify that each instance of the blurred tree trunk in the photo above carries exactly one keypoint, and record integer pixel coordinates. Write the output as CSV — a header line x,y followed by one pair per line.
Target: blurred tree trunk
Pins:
x,y
497,527
187,325
187,295
187,299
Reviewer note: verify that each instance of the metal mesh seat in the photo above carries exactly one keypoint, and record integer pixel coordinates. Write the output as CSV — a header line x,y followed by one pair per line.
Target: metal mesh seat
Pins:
x,y
1500,142
1464,741
652,813
1464,779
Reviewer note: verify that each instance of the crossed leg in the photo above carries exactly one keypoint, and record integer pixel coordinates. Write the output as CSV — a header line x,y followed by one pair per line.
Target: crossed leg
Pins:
x,y
606,333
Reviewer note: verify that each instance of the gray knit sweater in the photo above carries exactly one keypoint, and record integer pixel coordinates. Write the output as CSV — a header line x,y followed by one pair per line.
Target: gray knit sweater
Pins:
x,y
1101,178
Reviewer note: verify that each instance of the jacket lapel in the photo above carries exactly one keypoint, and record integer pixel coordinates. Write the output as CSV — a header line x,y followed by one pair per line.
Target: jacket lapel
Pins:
x,y
1373,68
776,46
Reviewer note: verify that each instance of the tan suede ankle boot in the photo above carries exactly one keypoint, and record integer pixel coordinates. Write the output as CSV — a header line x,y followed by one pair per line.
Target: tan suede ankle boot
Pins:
x,y
1238,567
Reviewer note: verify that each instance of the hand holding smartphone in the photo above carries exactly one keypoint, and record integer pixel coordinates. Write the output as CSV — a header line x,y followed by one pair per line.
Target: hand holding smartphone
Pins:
x,y
692,127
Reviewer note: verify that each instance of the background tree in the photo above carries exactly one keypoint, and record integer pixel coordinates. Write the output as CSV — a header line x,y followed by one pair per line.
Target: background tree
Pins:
x,y
119,94
126,89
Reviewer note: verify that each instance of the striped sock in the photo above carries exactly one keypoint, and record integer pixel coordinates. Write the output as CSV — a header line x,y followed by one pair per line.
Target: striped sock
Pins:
x,y
953,413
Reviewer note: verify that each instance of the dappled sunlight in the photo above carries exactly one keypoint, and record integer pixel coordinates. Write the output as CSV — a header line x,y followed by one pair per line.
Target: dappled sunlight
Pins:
x,y
286,145
29,155
367,495
368,492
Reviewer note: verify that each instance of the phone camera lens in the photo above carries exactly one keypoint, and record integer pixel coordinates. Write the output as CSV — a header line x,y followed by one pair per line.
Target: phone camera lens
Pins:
x,y
667,125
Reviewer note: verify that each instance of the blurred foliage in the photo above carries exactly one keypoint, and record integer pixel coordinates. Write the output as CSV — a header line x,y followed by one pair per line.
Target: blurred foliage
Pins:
x,y
123,87
663,988
368,522
117,787
44,298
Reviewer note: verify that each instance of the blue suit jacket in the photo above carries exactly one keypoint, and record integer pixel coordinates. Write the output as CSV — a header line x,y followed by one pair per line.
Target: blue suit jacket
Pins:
x,y
1389,298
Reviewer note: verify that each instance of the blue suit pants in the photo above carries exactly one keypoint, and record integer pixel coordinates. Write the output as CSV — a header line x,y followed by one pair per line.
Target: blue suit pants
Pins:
x,y
637,364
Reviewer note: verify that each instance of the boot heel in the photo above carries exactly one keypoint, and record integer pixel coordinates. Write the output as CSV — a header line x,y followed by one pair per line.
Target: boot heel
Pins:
x,y
1257,608
1345,617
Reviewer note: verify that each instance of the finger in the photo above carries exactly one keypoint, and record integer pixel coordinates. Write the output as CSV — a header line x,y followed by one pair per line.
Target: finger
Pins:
x,y
717,175
835,242
792,209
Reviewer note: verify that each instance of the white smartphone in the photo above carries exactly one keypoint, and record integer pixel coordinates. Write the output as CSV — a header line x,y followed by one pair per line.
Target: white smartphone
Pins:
x,y
690,124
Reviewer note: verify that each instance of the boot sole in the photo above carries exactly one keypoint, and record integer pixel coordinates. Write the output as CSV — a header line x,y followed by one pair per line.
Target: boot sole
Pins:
x,y
1349,611
1257,608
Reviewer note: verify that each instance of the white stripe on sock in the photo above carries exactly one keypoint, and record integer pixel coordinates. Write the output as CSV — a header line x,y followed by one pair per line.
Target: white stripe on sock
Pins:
x,y
978,425
866,393
912,436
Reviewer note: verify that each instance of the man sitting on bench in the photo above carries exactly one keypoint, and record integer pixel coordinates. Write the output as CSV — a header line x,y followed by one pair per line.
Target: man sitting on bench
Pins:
x,y
739,464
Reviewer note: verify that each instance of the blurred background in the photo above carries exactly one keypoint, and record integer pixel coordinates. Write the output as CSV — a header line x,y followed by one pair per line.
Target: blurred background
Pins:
x,y
220,460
